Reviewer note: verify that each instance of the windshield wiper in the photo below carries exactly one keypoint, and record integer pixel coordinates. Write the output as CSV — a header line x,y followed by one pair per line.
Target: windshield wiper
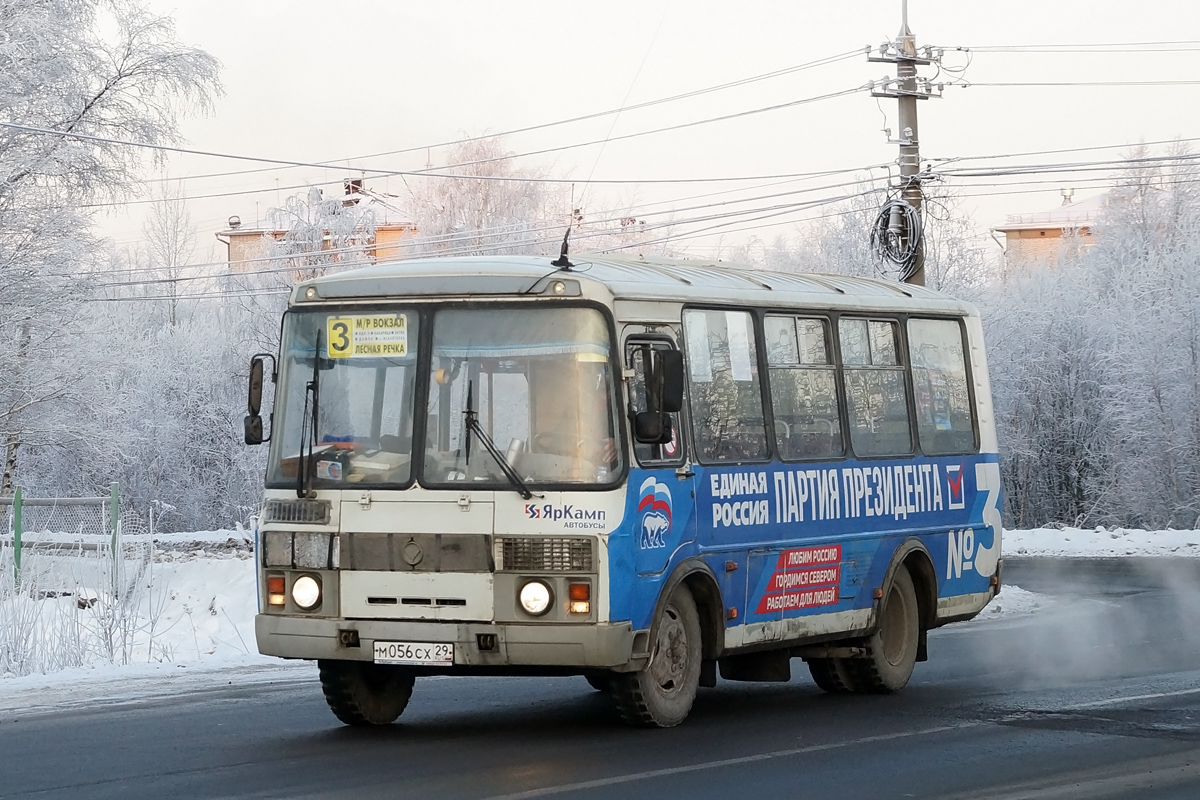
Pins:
x,y
305,461
472,423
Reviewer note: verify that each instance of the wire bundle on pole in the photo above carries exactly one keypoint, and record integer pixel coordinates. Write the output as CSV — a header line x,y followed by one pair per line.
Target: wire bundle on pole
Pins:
x,y
896,235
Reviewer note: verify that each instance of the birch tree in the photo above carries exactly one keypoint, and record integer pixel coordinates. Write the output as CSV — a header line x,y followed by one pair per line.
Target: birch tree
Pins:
x,y
76,77
170,240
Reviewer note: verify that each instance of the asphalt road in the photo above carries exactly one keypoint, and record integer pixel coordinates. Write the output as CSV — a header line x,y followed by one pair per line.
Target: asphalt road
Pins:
x,y
1095,696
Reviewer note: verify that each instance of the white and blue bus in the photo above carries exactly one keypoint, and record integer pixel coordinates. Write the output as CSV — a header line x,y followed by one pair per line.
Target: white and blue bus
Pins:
x,y
644,472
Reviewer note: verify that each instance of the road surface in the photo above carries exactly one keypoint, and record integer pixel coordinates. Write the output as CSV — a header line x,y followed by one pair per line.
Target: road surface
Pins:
x,y
1096,695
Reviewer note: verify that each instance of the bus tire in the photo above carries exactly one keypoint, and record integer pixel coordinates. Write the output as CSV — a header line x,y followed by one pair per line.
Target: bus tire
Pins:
x,y
832,675
892,649
661,694
598,680
362,693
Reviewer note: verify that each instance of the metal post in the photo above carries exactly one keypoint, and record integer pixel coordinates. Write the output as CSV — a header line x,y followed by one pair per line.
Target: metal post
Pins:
x,y
17,536
907,90
910,151
114,523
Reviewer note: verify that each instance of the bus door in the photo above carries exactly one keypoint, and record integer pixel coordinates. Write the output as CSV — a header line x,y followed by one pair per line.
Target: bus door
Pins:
x,y
662,480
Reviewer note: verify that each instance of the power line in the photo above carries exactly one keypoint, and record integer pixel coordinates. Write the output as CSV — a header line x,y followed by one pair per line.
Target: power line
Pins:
x,y
433,240
337,163
722,222
512,179
1067,167
644,210
964,84
1107,47
989,156
770,210
429,172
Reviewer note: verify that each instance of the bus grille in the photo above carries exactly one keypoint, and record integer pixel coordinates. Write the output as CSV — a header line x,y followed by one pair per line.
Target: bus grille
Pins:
x,y
313,512
538,554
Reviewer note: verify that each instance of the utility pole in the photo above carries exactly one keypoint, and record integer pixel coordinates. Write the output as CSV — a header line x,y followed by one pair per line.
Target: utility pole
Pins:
x,y
907,89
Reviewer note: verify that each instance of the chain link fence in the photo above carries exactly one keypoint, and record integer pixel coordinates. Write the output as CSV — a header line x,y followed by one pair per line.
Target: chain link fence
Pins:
x,y
72,581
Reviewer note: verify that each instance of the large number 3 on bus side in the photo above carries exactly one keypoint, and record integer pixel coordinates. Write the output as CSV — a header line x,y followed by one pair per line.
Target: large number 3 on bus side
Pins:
x,y
987,478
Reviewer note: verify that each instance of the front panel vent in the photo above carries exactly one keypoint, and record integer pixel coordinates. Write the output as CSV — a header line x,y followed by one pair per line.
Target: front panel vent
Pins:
x,y
310,512
544,554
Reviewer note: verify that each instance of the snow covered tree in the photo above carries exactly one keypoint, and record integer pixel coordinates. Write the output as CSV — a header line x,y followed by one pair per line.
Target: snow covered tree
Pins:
x,y
1096,365
490,206
170,241
76,77
318,232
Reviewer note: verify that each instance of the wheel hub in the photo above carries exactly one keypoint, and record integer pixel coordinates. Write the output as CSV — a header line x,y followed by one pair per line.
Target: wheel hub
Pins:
x,y
670,653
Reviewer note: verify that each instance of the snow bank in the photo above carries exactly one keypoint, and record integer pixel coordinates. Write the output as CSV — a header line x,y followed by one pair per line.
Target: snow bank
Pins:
x,y
1101,543
1013,601
188,606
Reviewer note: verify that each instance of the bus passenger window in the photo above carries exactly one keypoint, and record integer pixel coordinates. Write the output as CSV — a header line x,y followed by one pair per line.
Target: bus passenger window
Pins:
x,y
876,403
726,410
944,422
804,394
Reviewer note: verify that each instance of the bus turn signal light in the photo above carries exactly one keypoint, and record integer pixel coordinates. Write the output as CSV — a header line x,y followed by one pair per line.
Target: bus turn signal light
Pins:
x,y
580,595
276,589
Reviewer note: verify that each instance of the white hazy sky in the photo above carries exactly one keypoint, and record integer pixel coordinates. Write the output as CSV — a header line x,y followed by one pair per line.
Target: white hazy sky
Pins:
x,y
321,81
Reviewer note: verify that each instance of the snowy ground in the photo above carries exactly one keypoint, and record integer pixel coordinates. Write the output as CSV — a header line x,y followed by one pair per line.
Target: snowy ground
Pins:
x,y
195,628
1101,543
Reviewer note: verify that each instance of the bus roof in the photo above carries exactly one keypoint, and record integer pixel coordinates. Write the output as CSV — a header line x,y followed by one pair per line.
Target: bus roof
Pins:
x,y
625,278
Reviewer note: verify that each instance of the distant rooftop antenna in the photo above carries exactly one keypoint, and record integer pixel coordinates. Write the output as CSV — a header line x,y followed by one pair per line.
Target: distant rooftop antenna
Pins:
x,y
562,262
1067,194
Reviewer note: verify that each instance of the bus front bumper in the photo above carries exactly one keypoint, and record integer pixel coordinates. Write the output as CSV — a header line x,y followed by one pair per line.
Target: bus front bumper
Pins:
x,y
596,645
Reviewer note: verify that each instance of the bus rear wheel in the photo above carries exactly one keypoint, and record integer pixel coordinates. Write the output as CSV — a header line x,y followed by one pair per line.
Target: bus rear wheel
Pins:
x,y
598,680
362,693
892,649
833,675
661,694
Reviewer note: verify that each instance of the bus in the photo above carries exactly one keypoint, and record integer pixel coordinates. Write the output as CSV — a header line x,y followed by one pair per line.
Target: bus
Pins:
x,y
644,472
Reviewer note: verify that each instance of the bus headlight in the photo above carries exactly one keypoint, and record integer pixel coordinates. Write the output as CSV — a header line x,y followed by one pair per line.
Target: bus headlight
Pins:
x,y
536,598
306,592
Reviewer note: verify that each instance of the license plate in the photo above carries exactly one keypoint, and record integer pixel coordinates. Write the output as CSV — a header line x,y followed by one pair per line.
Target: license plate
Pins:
x,y
434,654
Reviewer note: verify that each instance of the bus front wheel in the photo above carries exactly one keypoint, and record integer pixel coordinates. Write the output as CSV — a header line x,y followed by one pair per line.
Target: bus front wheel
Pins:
x,y
661,694
361,693
892,649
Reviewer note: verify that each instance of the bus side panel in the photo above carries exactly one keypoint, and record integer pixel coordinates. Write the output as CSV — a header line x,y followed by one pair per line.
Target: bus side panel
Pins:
x,y
657,532
809,539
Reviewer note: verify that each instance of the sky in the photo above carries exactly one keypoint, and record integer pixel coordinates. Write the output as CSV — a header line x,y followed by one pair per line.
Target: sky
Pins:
x,y
321,82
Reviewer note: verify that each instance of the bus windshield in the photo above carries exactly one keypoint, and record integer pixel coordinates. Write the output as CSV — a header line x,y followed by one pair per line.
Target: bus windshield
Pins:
x,y
346,387
537,380
540,383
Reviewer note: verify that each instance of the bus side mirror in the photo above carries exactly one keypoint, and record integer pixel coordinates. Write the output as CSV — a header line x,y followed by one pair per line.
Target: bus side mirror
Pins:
x,y
254,429
652,427
664,380
253,424
254,403
670,364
